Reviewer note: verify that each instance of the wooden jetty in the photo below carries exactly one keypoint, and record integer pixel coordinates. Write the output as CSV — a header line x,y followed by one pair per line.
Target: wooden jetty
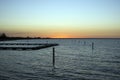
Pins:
x,y
38,46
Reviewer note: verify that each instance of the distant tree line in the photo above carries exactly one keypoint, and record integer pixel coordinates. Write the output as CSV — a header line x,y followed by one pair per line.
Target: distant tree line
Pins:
x,y
3,37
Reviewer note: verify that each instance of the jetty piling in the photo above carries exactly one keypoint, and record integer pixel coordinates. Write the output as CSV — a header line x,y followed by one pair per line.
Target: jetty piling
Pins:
x,y
92,45
53,57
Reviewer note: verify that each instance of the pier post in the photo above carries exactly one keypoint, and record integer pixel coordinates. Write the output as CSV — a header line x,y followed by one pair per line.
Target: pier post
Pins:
x,y
53,57
92,46
84,42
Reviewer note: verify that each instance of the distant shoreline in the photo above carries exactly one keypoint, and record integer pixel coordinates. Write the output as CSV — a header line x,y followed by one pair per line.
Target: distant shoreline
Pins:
x,y
22,38
18,38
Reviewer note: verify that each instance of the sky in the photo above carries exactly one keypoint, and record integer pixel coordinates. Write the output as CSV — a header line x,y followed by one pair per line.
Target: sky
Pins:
x,y
60,18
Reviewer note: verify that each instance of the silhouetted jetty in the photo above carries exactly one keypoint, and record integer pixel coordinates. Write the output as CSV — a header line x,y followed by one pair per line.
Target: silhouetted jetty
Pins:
x,y
38,46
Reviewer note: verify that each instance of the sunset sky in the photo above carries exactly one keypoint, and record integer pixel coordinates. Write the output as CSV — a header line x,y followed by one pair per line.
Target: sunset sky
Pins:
x,y
60,18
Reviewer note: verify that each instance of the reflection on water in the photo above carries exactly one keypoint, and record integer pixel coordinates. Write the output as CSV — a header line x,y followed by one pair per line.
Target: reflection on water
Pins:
x,y
75,60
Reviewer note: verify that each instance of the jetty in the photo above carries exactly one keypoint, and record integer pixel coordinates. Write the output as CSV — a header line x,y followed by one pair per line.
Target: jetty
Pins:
x,y
25,46
29,46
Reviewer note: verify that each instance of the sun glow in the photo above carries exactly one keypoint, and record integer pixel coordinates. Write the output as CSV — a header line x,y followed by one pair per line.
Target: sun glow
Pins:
x,y
61,36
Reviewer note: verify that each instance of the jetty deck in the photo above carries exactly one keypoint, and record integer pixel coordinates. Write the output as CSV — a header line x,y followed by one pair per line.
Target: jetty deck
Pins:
x,y
25,46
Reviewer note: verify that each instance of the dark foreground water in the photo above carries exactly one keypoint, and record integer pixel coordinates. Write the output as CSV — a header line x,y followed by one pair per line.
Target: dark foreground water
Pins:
x,y
75,60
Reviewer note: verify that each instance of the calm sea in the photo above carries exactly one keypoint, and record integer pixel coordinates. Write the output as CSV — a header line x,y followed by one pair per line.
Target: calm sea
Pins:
x,y
75,60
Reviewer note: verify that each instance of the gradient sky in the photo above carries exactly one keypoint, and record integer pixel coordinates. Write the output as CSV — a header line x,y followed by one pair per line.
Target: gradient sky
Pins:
x,y
61,18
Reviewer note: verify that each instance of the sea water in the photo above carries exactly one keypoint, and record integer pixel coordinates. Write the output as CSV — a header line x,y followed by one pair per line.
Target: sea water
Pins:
x,y
74,60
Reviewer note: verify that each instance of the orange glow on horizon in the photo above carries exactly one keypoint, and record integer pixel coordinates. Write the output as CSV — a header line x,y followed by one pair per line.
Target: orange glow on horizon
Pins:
x,y
67,36
60,36
73,34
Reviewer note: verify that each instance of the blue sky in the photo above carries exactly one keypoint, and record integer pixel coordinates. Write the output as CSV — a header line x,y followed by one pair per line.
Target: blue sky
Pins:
x,y
62,16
